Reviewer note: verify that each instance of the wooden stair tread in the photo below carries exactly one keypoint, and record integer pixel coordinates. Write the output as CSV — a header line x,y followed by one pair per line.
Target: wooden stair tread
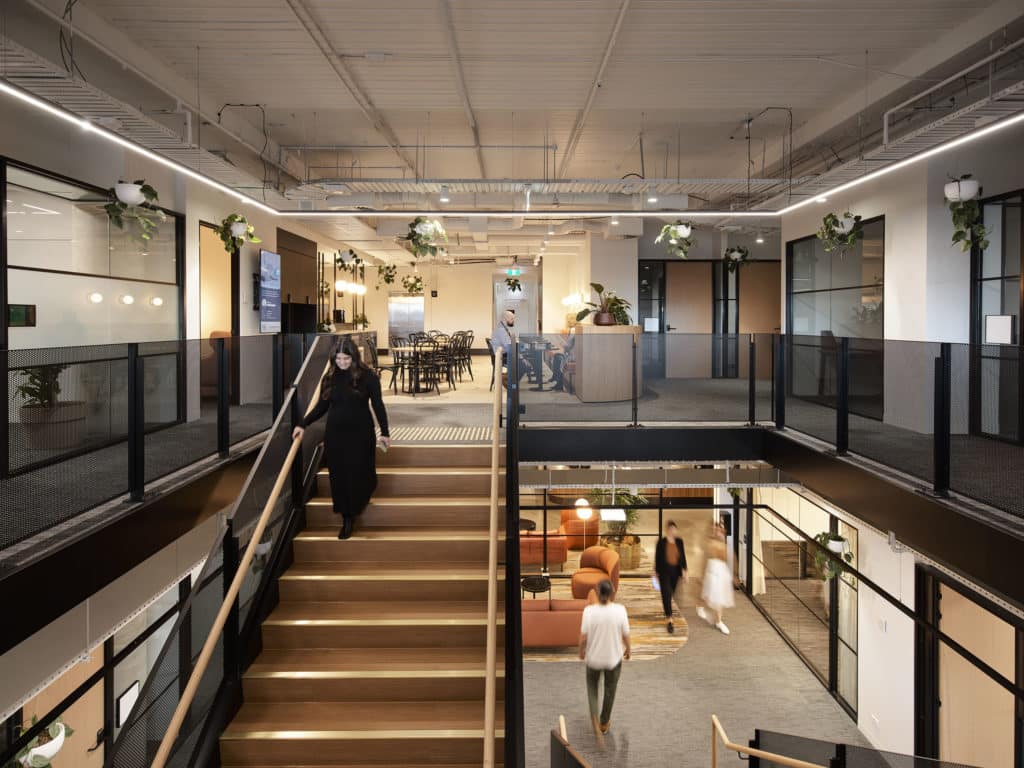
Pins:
x,y
310,718
416,501
371,611
387,572
401,471
384,533
363,660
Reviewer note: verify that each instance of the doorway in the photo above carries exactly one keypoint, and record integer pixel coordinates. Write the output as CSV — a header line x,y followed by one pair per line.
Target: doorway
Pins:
x,y
218,312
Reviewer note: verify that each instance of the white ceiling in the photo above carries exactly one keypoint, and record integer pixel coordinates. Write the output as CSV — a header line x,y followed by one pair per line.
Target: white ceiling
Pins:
x,y
681,77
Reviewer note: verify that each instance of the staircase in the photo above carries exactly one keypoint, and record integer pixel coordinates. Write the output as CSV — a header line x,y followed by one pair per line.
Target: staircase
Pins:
x,y
375,654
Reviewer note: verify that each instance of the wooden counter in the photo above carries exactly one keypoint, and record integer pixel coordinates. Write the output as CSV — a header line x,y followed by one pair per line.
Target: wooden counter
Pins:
x,y
604,362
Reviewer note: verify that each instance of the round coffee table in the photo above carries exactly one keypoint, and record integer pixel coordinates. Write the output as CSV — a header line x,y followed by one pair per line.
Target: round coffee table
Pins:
x,y
535,585
527,525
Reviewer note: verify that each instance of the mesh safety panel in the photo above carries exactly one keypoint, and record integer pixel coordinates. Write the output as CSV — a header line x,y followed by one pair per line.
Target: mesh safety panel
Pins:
x,y
811,385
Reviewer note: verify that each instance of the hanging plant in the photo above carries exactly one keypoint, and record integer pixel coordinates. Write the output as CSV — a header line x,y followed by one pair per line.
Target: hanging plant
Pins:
x,y
132,203
677,238
424,236
837,545
235,231
354,265
325,288
361,320
735,256
513,284
968,231
324,327
43,748
413,284
386,274
838,234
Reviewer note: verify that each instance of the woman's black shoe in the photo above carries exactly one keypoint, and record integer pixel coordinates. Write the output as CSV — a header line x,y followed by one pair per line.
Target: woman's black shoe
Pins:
x,y
671,629
346,529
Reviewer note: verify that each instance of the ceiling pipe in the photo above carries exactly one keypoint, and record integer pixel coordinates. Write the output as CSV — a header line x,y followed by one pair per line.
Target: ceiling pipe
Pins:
x,y
581,118
460,80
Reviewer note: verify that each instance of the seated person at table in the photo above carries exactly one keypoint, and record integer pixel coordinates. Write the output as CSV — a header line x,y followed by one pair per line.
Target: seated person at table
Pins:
x,y
559,360
502,338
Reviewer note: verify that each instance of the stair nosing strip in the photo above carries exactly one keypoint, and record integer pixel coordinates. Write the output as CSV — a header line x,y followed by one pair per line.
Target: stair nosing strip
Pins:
x,y
424,622
364,735
380,674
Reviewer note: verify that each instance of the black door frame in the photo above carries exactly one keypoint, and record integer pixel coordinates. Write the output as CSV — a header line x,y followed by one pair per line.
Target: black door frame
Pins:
x,y
929,636
976,330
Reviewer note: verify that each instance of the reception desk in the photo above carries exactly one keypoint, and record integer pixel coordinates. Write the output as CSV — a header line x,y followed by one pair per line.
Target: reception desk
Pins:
x,y
603,356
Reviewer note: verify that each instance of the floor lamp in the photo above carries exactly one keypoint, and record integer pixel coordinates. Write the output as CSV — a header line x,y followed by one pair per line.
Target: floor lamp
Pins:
x,y
584,513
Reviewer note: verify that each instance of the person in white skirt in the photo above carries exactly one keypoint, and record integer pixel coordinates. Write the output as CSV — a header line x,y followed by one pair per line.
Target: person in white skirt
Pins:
x,y
717,592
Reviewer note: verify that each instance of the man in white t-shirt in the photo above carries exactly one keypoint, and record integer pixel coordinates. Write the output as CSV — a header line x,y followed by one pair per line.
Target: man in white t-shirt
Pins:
x,y
604,642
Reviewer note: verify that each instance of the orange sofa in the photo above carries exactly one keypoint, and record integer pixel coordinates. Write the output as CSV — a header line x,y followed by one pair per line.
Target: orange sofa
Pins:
x,y
531,550
596,565
553,623
579,533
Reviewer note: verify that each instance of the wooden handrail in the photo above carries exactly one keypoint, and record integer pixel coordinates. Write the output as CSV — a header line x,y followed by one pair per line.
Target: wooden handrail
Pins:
x,y
490,684
717,731
174,728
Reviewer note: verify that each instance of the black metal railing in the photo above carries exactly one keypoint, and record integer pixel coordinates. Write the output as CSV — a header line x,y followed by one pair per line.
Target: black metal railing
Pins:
x,y
835,755
86,425
219,694
951,415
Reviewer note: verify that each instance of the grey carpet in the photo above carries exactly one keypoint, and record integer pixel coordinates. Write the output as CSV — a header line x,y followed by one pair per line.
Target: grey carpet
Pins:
x,y
750,679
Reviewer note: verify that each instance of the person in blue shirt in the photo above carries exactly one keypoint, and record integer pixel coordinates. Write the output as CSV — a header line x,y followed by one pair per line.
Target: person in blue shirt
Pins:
x,y
503,337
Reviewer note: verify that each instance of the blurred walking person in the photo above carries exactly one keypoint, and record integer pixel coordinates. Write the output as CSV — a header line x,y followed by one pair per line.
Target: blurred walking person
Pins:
x,y
717,593
670,571
604,643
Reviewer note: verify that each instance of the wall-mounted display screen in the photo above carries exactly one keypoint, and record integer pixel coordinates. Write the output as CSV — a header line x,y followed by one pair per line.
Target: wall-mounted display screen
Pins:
x,y
270,292
21,315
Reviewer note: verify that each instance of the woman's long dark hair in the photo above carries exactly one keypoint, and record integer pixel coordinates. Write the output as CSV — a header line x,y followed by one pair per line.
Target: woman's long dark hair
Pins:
x,y
357,369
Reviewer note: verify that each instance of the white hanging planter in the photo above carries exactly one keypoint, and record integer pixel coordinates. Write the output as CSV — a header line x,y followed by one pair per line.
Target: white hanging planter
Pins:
x,y
734,254
845,225
129,193
962,190
837,547
239,228
46,751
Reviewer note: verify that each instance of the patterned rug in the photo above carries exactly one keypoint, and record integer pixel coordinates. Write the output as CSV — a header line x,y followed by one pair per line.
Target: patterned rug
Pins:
x,y
649,638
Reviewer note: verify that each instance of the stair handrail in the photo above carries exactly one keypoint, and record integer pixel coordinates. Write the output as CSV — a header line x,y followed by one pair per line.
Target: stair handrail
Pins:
x,y
718,732
180,712
490,683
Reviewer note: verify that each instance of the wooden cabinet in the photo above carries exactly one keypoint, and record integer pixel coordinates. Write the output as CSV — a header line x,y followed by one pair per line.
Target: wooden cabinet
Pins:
x,y
604,363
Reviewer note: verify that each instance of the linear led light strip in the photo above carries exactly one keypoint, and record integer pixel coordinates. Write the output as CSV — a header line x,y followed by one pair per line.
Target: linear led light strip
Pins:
x,y
70,117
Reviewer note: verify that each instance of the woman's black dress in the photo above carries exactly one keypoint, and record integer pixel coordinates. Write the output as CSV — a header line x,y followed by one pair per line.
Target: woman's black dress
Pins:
x,y
349,439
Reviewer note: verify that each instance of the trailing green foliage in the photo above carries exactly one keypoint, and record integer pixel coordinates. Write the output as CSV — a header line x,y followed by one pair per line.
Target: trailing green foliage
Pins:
x,y
513,284
51,732
839,235
735,256
424,236
354,264
968,231
678,238
386,275
144,219
232,243
413,284
825,559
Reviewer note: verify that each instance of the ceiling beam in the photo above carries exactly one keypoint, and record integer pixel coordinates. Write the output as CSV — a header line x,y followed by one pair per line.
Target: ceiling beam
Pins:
x,y
460,80
581,117
366,105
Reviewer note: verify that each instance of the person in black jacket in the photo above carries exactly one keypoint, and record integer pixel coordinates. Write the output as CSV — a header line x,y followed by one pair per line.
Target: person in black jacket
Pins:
x,y
670,567
346,394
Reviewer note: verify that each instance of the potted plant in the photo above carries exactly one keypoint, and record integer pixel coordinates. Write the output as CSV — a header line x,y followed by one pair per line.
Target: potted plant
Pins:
x,y
133,203
43,748
48,423
968,231
839,234
677,238
353,265
962,189
513,284
325,327
735,256
619,538
424,235
611,309
234,231
413,284
838,546
361,320
386,274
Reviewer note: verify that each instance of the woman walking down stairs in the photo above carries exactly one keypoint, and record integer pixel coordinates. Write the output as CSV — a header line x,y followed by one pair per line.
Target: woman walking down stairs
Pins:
x,y
375,654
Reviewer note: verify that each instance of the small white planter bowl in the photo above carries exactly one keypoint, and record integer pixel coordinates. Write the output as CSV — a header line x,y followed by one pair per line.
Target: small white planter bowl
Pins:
x,y
838,547
239,228
129,194
957,191
48,750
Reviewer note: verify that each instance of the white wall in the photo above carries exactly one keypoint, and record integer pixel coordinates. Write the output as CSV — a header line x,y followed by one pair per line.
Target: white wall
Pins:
x,y
563,277
613,264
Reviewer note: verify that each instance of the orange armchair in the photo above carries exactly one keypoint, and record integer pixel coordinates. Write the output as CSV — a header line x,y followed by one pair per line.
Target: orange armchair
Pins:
x,y
531,550
578,533
596,565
